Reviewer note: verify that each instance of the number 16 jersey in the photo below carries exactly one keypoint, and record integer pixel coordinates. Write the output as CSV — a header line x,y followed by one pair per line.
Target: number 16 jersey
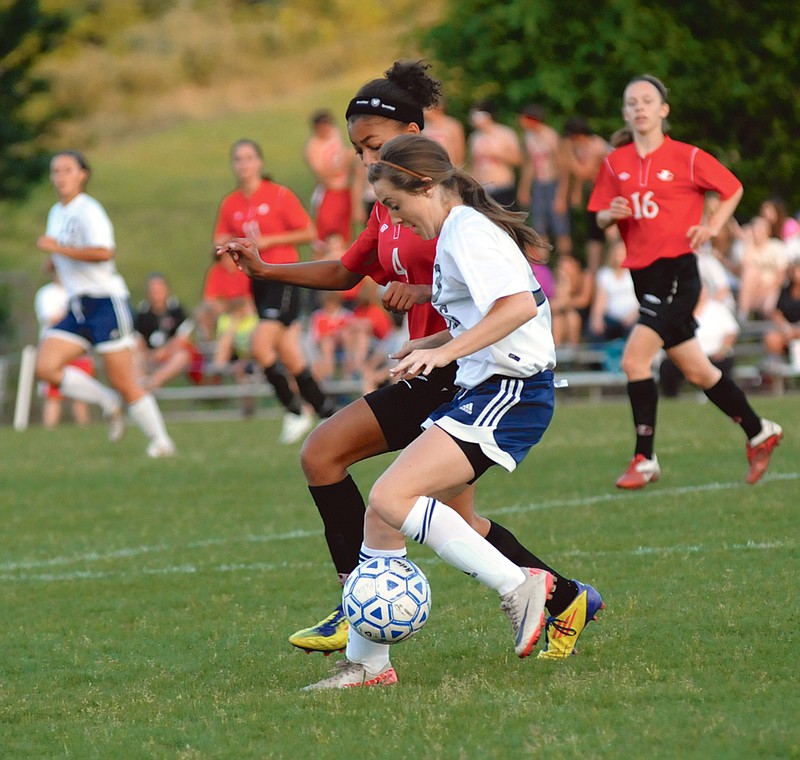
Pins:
x,y
666,191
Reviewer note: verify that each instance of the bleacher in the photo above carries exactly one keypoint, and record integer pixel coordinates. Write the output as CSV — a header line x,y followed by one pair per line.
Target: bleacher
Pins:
x,y
585,371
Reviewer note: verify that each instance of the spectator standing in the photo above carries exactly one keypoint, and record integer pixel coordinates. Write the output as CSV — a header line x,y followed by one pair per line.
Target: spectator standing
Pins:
x,y
495,155
539,176
332,164
447,131
581,154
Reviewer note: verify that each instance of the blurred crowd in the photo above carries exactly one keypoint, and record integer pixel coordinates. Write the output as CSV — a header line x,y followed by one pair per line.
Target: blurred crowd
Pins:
x,y
750,271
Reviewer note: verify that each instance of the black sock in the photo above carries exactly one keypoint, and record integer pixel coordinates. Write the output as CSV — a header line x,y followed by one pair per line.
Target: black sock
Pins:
x,y
341,507
312,393
278,380
507,544
730,398
643,395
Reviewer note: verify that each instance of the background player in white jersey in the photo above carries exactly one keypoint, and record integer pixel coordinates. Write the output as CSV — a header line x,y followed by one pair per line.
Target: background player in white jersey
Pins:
x,y
499,332
80,241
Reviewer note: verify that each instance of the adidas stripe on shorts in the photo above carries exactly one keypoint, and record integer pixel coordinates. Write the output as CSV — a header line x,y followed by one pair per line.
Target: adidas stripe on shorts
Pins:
x,y
505,416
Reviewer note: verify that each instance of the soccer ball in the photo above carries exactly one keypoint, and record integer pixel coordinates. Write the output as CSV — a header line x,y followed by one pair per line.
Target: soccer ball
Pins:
x,y
387,599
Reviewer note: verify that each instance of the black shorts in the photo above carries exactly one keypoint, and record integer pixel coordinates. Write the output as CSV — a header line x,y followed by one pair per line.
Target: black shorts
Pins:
x,y
276,301
595,231
668,291
402,407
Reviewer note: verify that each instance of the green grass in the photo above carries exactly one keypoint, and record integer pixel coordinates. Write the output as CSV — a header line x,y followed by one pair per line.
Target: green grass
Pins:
x,y
162,191
146,604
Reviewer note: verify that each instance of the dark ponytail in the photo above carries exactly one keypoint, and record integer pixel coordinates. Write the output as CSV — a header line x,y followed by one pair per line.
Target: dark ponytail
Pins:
x,y
413,163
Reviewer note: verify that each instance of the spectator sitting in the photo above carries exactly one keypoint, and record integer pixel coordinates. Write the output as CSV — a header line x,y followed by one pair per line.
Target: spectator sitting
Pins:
x,y
615,308
330,336
233,347
573,297
224,282
785,318
376,334
717,333
164,347
764,263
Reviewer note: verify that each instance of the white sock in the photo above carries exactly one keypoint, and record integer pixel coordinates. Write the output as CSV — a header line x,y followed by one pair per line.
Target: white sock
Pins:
x,y
373,655
78,385
146,414
449,535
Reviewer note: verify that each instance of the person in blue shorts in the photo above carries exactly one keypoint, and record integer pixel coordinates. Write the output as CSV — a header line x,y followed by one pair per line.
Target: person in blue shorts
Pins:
x,y
79,239
498,330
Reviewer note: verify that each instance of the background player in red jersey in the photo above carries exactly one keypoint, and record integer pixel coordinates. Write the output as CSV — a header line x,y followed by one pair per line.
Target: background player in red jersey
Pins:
x,y
273,216
389,418
654,190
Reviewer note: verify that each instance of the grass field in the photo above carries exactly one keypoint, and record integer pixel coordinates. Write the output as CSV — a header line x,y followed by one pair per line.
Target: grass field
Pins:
x,y
146,604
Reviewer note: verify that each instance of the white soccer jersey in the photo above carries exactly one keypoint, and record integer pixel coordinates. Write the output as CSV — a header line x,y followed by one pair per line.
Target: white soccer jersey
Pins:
x,y
476,264
83,223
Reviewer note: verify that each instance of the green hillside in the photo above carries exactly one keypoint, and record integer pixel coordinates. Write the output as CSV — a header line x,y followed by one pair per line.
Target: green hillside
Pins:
x,y
160,156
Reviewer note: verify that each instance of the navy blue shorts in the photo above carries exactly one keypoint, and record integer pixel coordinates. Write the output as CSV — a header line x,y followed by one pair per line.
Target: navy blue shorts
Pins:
x,y
105,323
504,416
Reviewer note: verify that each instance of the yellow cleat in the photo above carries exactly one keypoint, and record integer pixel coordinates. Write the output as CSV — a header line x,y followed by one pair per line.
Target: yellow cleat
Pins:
x,y
329,635
562,632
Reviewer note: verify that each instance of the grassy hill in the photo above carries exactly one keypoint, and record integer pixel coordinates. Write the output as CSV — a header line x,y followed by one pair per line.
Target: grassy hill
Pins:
x,y
162,172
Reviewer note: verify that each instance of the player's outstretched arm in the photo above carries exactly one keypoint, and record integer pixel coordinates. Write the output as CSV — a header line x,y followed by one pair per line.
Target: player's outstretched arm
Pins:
x,y
326,274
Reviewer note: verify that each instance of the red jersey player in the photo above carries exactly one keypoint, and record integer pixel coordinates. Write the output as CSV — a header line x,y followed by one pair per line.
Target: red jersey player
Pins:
x,y
389,418
654,189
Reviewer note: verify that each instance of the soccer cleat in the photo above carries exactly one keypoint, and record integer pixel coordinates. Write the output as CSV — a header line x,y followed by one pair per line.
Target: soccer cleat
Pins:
x,y
640,472
525,608
329,635
161,449
562,631
116,424
349,674
760,448
295,426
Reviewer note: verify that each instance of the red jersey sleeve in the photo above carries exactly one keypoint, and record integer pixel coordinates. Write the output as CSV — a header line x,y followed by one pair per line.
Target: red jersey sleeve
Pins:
x,y
710,174
294,216
224,225
362,256
604,190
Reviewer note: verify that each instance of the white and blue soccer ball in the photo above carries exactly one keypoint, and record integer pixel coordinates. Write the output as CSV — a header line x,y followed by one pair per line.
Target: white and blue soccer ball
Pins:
x,y
387,599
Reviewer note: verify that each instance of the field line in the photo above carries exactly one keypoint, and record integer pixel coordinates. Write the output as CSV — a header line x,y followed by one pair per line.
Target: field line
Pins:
x,y
14,570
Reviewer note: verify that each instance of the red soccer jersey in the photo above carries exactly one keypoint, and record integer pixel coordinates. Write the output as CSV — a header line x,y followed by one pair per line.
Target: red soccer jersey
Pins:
x,y
666,191
270,210
225,283
388,252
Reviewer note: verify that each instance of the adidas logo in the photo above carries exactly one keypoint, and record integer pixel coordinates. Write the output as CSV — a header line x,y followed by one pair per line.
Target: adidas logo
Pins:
x,y
466,408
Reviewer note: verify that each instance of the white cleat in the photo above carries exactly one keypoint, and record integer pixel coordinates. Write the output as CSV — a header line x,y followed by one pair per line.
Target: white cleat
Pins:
x,y
295,426
351,674
116,424
161,449
525,608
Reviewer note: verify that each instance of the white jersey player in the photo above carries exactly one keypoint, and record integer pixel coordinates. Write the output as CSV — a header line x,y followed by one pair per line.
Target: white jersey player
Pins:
x,y
80,240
